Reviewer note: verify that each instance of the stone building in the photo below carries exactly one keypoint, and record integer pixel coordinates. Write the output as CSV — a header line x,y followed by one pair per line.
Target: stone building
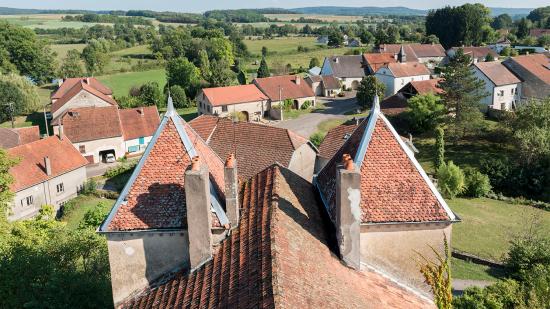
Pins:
x,y
246,100
502,87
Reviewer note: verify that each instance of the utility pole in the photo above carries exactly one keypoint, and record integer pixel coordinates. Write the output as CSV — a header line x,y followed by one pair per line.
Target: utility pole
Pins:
x,y
46,122
281,105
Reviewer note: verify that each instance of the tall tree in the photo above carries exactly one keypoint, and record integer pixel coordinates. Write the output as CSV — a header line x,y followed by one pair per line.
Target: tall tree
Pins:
x,y
335,38
531,130
502,21
263,70
96,56
425,111
462,94
367,89
241,77
180,71
314,62
523,27
440,147
19,91
71,66
204,65
221,74
264,51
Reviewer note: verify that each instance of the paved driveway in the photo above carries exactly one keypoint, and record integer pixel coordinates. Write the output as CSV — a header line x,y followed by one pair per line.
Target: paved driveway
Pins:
x,y
306,125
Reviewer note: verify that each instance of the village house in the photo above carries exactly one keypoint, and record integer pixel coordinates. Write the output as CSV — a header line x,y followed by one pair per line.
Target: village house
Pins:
x,y
246,100
257,144
400,212
50,172
500,45
503,87
399,102
285,88
538,32
348,69
396,75
183,217
476,53
10,138
324,85
79,92
431,55
374,61
534,73
98,131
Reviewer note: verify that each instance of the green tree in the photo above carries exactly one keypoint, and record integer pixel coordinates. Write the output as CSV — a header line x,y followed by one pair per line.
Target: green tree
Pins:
x,y
204,65
440,147
263,70
19,91
221,74
393,34
425,111
71,65
314,62
462,94
544,40
31,56
93,217
180,71
6,179
335,38
489,57
430,39
5,64
221,49
149,94
502,21
178,96
450,180
367,89
264,51
539,15
523,27
530,130
96,56
241,77
366,37
477,183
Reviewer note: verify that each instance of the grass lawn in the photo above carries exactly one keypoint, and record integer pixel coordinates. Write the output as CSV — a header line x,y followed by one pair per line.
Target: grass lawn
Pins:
x,y
280,45
82,205
62,49
488,226
121,83
187,114
467,270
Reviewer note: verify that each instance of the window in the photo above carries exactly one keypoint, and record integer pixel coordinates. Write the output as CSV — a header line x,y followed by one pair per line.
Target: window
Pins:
x,y
142,140
512,91
502,93
60,188
28,201
209,109
82,148
224,108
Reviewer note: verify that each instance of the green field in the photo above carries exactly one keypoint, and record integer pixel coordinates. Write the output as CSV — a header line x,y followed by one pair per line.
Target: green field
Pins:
x,y
121,83
84,203
280,45
467,270
62,49
325,18
488,226
43,21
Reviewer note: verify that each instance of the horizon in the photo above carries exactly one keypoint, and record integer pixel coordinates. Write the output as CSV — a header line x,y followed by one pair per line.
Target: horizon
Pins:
x,y
103,5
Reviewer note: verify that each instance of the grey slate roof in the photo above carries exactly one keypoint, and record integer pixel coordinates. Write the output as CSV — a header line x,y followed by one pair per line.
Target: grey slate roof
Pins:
x,y
347,66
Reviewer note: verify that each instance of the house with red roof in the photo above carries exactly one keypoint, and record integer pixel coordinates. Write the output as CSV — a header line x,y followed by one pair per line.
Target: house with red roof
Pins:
x,y
50,171
188,229
399,210
10,138
503,88
289,88
396,75
79,92
430,55
246,100
374,61
534,72
476,53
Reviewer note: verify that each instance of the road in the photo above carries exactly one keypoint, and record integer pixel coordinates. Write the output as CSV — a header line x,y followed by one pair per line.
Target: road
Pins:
x,y
306,125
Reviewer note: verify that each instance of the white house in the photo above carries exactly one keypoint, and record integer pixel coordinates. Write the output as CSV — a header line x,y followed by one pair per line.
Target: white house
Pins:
x,y
396,75
503,87
50,172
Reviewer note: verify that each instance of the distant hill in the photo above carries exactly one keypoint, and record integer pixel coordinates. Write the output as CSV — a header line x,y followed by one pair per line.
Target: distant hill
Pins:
x,y
398,10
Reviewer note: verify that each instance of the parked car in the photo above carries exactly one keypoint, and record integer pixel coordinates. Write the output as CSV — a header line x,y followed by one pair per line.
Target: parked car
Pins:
x,y
110,158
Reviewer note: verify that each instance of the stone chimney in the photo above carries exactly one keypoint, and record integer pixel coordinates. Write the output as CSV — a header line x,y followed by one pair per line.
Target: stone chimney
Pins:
x,y
87,80
60,129
298,80
48,165
232,191
199,214
348,212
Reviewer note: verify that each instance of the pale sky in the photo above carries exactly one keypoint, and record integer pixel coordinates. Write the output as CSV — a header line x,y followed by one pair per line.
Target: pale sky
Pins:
x,y
204,5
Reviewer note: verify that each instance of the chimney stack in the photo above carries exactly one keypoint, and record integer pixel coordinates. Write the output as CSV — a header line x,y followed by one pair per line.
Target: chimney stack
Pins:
x,y
298,80
199,214
48,165
348,212
87,80
232,190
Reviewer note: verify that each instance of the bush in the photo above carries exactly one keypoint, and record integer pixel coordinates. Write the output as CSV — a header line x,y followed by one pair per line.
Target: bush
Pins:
x,y
503,294
94,217
121,169
450,180
525,253
477,183
178,96
317,138
306,105
89,187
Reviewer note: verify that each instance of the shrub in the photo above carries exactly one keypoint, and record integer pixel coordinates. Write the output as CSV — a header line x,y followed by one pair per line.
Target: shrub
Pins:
x,y
306,105
477,183
450,180
122,168
525,253
178,96
94,217
440,147
89,187
317,138
503,294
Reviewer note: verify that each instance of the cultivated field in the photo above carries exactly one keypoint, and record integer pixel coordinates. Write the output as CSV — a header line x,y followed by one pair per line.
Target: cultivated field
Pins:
x,y
325,18
62,49
44,21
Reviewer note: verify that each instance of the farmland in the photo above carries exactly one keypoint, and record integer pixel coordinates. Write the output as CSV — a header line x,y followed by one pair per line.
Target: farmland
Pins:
x,y
121,83
325,18
43,21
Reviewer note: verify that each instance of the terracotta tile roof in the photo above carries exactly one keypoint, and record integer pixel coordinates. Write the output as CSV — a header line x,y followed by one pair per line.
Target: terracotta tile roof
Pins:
x,y
427,86
378,60
14,137
234,94
256,146
290,90
139,122
154,197
334,140
408,69
31,170
536,64
91,123
539,32
278,257
346,66
394,188
414,51
497,73
71,82
395,104
477,52
330,82
76,89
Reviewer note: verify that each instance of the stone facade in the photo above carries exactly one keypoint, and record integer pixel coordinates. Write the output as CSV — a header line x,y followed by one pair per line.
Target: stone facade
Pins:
x,y
303,161
82,99
255,110
394,84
